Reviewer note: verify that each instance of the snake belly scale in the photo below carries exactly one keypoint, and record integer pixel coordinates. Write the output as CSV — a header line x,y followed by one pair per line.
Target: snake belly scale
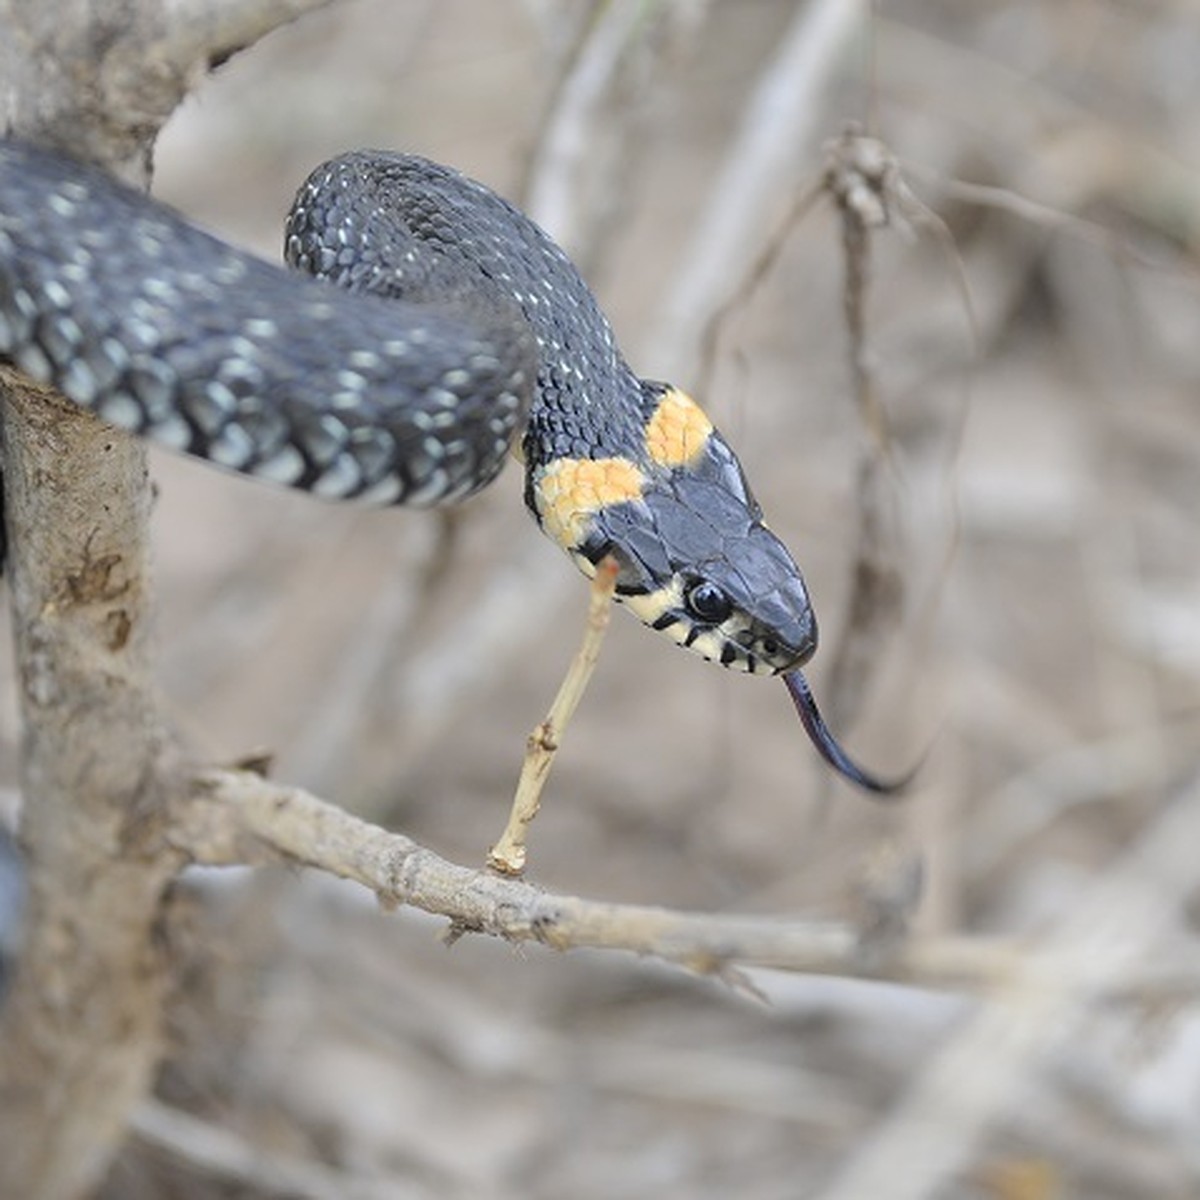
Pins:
x,y
457,327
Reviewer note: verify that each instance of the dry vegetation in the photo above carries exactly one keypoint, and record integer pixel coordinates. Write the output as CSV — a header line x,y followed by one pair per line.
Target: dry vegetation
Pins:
x,y
1026,507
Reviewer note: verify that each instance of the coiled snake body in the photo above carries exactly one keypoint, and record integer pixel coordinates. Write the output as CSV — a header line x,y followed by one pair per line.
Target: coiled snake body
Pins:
x,y
457,321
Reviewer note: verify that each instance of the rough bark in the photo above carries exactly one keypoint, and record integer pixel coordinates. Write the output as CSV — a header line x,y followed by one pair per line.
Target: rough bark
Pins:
x,y
80,1034
80,1030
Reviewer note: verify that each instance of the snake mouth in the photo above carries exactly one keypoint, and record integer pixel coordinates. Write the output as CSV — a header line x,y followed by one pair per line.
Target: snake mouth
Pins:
x,y
768,650
739,643
828,746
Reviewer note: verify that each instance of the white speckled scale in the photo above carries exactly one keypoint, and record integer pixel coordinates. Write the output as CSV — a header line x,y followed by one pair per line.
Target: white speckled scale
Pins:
x,y
166,331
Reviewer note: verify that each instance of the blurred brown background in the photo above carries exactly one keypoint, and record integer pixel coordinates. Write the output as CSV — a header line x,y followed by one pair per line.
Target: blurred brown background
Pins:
x,y
1040,496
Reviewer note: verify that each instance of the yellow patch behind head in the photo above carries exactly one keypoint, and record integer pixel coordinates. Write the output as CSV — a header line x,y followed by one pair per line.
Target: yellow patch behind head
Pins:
x,y
572,490
678,431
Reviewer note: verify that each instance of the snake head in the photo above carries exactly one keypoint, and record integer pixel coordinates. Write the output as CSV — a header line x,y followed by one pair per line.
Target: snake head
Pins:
x,y
718,583
695,559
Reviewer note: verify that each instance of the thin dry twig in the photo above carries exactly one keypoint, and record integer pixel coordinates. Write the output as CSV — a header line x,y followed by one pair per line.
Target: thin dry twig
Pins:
x,y
508,855
778,129
568,138
864,180
754,275
222,1154
1117,244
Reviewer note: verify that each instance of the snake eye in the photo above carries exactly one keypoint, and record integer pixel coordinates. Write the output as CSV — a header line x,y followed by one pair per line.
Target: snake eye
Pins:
x,y
706,602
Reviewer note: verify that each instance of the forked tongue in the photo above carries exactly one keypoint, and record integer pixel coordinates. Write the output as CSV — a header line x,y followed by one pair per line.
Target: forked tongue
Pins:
x,y
828,747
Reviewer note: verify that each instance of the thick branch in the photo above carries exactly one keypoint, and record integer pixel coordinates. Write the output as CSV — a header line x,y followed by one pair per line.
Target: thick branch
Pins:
x,y
209,31
85,1007
81,1027
100,80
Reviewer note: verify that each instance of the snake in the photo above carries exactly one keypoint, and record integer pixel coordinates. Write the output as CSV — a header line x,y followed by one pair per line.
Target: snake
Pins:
x,y
426,326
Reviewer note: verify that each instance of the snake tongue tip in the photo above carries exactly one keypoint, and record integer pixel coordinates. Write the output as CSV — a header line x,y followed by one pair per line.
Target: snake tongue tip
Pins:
x,y
828,746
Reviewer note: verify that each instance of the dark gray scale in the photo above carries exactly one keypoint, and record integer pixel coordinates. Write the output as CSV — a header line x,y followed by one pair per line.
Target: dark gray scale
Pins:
x,y
166,331
701,523
406,383
586,404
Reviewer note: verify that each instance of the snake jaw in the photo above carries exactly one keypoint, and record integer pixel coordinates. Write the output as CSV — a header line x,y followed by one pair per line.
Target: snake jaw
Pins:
x,y
828,746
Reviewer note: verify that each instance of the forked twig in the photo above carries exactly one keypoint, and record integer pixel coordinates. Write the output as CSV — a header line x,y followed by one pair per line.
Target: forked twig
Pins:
x,y
508,855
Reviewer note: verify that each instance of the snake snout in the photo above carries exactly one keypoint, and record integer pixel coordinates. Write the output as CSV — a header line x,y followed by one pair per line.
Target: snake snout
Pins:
x,y
794,645
782,628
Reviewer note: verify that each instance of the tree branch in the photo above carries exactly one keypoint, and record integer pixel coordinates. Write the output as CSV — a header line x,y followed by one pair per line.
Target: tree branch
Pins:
x,y
100,80
85,1007
209,31
234,817
81,1028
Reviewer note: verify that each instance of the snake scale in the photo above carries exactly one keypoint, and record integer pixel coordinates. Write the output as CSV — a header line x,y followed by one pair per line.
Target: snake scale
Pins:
x,y
428,324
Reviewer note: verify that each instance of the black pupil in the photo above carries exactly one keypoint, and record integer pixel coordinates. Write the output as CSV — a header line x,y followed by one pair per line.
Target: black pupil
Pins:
x,y
707,602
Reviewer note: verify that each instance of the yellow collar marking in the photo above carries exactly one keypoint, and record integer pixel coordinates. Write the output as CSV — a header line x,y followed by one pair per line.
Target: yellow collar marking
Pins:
x,y
572,490
678,431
